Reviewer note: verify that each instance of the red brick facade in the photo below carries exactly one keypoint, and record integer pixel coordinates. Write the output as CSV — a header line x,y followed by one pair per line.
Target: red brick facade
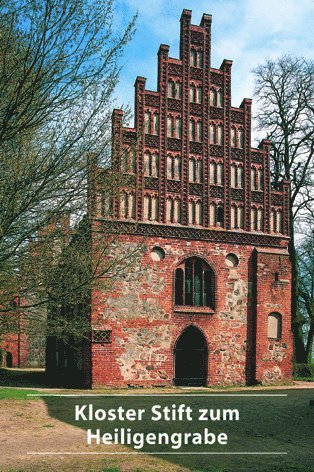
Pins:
x,y
197,189
14,350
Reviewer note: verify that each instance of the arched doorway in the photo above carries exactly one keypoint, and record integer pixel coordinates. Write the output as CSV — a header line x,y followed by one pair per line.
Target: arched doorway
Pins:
x,y
190,354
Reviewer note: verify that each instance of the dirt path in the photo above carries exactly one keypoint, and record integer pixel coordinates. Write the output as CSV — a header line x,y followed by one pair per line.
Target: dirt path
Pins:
x,y
27,427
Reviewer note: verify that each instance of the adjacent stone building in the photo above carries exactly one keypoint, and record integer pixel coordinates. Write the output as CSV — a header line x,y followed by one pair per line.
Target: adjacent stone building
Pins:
x,y
208,301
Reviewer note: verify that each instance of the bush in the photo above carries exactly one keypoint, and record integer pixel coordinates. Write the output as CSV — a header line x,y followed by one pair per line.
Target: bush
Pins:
x,y
303,370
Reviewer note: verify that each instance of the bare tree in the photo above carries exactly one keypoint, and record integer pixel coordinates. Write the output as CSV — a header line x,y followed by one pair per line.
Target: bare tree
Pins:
x,y
285,94
306,291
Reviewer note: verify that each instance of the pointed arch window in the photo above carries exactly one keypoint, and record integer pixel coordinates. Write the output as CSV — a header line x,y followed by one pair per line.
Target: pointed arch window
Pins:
x,y
236,176
127,205
237,217
151,122
195,284
276,223
195,170
151,208
151,164
216,173
174,89
257,219
195,212
174,167
173,210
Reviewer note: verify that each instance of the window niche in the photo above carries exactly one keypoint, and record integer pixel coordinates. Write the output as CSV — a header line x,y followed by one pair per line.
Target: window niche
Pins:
x,y
157,254
232,260
274,326
151,164
195,284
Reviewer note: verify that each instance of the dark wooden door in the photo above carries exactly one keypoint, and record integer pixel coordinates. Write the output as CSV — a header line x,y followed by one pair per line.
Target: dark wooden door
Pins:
x,y
191,358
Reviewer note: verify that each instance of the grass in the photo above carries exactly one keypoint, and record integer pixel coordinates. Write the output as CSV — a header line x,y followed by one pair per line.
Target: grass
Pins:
x,y
8,393
267,424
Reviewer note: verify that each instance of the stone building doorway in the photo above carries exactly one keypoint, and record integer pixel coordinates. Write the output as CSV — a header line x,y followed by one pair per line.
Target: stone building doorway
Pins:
x,y
190,357
6,359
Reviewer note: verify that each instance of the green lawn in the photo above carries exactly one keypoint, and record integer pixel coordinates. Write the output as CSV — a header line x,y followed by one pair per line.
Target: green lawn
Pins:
x,y
267,424
7,393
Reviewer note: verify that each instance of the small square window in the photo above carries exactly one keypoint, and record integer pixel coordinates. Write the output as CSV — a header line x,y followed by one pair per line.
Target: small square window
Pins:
x,y
102,336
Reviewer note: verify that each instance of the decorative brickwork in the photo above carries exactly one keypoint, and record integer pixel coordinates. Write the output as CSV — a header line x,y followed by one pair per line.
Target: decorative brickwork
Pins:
x,y
211,248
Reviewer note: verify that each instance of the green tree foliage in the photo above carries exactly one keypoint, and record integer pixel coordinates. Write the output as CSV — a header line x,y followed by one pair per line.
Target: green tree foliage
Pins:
x,y
59,65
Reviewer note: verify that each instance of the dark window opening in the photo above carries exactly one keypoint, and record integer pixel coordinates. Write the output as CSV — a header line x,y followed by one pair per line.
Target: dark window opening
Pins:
x,y
220,215
195,284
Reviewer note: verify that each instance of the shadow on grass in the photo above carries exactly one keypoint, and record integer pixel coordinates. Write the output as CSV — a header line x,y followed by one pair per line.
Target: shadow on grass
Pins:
x,y
34,378
267,424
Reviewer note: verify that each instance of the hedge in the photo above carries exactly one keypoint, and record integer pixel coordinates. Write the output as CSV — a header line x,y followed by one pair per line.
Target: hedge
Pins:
x,y
303,370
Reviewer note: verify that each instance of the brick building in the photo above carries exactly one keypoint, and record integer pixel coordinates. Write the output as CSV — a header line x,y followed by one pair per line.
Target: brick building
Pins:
x,y
208,302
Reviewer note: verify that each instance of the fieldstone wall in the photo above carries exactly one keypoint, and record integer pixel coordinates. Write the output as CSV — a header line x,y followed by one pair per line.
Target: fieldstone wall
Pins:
x,y
140,312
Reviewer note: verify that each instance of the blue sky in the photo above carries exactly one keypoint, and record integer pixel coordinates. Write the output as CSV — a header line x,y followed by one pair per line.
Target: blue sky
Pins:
x,y
246,31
